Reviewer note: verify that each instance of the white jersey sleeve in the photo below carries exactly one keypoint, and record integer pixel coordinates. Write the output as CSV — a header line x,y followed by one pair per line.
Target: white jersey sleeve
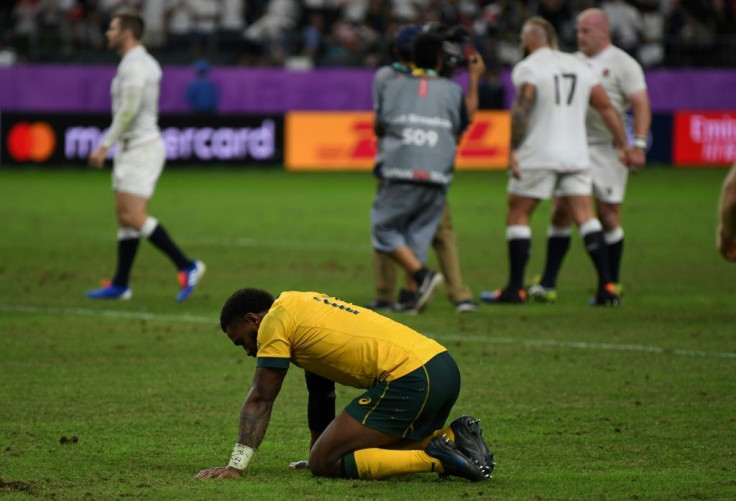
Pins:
x,y
620,76
127,92
135,94
523,73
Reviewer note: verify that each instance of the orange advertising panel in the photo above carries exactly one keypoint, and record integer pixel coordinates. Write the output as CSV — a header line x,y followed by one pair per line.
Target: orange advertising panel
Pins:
x,y
707,138
345,141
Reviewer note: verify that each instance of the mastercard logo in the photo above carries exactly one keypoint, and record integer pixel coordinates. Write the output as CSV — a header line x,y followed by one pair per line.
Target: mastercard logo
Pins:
x,y
31,142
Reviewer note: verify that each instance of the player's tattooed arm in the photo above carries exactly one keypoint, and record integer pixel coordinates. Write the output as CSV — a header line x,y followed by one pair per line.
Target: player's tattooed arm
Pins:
x,y
256,411
520,113
253,428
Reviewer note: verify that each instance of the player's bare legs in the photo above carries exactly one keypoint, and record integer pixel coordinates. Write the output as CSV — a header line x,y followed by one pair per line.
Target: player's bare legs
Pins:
x,y
519,242
342,436
520,210
375,454
133,223
609,215
559,235
131,210
132,213
581,210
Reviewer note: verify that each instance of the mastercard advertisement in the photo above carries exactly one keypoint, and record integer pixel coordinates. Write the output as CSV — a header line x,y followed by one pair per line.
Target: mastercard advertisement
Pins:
x,y
31,142
345,141
70,138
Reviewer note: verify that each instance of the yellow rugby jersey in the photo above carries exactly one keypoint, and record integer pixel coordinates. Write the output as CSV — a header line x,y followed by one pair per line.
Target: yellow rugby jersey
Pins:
x,y
348,344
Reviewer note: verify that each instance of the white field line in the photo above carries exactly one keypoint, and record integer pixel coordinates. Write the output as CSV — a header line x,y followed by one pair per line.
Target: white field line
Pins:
x,y
258,243
52,310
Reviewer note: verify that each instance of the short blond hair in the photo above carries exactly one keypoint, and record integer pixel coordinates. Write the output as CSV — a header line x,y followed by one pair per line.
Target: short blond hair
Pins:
x,y
546,29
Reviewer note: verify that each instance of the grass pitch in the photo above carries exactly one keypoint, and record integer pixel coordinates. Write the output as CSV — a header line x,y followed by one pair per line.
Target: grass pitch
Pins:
x,y
637,402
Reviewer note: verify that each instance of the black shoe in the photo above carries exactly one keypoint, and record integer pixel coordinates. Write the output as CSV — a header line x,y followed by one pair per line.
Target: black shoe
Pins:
x,y
454,462
606,296
380,306
469,440
407,302
431,281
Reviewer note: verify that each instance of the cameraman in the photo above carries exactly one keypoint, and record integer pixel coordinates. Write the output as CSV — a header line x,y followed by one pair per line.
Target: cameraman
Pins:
x,y
419,121
444,242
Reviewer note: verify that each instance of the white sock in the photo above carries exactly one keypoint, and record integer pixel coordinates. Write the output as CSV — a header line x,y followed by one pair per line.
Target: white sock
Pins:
x,y
614,236
128,233
518,232
559,231
149,226
590,226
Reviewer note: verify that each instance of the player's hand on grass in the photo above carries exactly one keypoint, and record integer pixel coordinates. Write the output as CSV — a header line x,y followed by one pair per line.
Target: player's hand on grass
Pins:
x,y
221,472
97,157
299,465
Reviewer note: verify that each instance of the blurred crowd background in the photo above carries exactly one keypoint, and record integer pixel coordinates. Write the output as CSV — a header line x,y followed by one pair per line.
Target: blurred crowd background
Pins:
x,y
355,33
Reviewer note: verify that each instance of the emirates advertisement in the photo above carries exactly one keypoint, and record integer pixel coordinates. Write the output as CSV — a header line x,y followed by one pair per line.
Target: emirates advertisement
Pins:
x,y
704,138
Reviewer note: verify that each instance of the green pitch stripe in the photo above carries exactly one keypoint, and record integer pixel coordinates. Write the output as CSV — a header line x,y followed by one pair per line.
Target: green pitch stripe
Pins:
x,y
545,343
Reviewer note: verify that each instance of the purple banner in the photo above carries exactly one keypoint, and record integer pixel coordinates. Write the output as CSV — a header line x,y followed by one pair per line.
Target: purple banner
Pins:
x,y
44,88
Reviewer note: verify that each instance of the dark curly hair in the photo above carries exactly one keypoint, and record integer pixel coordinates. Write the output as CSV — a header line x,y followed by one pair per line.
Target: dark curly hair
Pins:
x,y
244,301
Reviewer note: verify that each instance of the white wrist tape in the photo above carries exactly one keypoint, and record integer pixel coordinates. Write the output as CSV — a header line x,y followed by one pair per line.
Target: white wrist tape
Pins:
x,y
241,456
640,143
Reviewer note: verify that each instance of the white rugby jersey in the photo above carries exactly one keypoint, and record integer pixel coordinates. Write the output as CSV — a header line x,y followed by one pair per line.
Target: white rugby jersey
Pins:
x,y
135,91
620,75
555,137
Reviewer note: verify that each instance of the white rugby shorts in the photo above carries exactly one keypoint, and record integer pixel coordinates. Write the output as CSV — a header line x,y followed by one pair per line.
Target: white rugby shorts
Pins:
x,y
542,184
136,169
608,173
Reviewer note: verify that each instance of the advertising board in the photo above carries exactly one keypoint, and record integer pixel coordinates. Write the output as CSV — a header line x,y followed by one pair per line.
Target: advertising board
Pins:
x,y
189,139
345,141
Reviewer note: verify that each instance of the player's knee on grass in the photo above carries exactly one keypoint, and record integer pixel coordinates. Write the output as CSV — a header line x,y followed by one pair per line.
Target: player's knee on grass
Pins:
x,y
324,466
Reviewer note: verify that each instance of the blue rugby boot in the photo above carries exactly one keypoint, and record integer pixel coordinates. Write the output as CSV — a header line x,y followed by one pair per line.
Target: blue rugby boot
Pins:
x,y
189,278
110,291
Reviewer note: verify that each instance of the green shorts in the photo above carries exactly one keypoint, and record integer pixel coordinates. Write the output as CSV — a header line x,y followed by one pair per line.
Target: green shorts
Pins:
x,y
413,406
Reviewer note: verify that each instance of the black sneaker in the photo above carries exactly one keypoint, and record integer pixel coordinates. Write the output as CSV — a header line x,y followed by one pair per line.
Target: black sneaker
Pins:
x,y
431,281
380,306
407,302
454,462
469,440
606,296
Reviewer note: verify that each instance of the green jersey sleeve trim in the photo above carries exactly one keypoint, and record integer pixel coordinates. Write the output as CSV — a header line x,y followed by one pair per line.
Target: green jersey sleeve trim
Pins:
x,y
273,363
